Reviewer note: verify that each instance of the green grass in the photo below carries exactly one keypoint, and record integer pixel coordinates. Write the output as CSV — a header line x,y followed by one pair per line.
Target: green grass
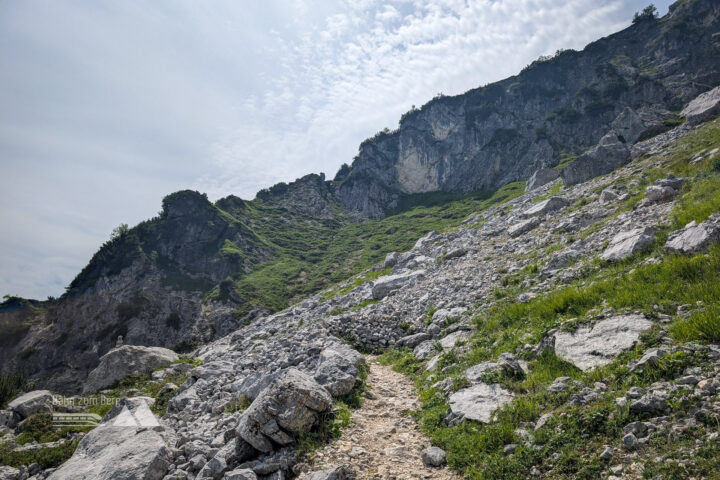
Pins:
x,y
46,457
312,257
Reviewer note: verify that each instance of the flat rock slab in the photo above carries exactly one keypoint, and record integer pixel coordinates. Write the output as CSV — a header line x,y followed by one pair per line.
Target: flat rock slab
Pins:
x,y
626,243
592,347
523,227
479,402
383,286
695,237
125,360
552,204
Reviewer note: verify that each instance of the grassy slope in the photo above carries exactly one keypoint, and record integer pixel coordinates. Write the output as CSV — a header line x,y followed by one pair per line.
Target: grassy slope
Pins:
x,y
312,257
577,434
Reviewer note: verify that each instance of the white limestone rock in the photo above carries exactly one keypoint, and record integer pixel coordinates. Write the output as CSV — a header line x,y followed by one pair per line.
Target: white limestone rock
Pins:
x,y
595,346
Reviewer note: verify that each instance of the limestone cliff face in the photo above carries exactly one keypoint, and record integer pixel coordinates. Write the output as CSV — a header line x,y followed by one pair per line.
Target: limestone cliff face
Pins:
x,y
557,107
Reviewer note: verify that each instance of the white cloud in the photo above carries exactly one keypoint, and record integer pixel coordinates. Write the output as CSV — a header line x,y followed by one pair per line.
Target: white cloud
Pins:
x,y
108,106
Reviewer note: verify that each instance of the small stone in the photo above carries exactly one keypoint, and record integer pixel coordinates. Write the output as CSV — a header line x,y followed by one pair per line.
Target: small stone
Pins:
x,y
510,448
433,457
606,454
630,441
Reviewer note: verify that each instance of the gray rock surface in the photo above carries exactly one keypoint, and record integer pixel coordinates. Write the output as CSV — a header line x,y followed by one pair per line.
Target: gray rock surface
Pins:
x,y
541,177
383,286
120,447
9,473
338,369
433,457
695,237
524,227
704,107
125,360
287,407
31,403
479,402
240,474
628,242
337,473
598,345
552,204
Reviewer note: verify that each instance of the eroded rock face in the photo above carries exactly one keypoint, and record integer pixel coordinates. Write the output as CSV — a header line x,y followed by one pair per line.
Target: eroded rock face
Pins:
x,y
598,345
120,447
287,407
479,402
125,360
695,237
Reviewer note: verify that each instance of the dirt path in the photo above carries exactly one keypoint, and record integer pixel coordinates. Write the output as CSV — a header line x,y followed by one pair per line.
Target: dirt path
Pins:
x,y
383,442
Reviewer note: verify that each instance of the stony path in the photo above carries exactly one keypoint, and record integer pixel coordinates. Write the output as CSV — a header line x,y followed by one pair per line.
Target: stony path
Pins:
x,y
383,442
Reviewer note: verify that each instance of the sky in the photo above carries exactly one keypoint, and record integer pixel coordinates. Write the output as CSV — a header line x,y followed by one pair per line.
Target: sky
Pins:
x,y
107,106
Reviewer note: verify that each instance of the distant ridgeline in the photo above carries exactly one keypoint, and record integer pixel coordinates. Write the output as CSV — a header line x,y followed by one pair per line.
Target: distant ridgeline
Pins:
x,y
200,269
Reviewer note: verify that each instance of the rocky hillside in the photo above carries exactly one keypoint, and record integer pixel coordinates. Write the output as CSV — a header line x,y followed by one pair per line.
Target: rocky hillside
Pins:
x,y
568,332
200,270
540,262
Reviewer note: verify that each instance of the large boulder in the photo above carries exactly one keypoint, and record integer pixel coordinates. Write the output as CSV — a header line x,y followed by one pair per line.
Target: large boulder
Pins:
x,y
338,369
552,204
383,286
626,243
127,445
541,177
479,402
125,360
9,473
524,226
611,152
695,237
597,161
30,403
288,407
704,107
590,347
